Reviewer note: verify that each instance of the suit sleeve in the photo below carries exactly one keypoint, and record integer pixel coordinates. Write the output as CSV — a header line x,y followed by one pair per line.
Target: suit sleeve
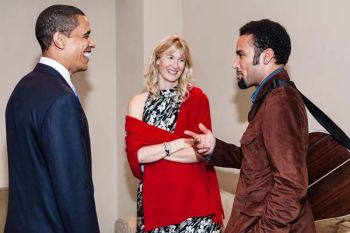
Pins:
x,y
285,138
226,155
67,154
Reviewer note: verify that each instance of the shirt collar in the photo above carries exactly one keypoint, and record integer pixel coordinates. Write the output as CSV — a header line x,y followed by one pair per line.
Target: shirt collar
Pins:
x,y
59,68
258,89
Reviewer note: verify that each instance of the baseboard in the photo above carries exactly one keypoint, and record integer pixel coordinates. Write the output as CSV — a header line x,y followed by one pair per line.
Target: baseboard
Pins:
x,y
4,189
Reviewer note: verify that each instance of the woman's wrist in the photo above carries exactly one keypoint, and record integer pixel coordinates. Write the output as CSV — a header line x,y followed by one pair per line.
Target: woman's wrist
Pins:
x,y
175,145
167,148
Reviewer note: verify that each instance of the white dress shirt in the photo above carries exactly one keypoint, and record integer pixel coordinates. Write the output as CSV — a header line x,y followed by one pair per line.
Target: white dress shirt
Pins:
x,y
60,69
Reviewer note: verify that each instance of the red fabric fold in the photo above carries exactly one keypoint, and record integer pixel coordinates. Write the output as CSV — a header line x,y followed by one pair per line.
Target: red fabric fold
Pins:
x,y
140,134
173,192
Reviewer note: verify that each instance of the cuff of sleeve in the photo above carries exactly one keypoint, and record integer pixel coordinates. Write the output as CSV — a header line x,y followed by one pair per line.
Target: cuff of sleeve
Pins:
x,y
208,157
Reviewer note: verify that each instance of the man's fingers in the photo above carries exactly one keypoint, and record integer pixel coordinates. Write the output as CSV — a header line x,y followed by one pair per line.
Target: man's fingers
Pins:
x,y
203,128
188,141
196,141
203,151
190,133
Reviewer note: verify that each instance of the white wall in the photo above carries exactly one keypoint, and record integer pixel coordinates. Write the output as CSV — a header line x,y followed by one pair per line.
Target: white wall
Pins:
x,y
129,82
318,64
160,19
126,31
20,52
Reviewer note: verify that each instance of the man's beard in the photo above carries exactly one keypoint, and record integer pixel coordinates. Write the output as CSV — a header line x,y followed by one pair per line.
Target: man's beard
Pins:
x,y
242,84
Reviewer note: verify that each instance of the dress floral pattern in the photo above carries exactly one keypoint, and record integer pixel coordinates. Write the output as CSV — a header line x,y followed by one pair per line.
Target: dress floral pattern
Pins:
x,y
162,112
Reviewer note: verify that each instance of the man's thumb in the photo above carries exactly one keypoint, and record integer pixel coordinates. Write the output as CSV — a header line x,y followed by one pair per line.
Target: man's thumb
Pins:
x,y
203,128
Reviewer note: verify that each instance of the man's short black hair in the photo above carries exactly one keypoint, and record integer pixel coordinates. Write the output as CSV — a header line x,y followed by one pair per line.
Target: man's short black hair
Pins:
x,y
55,18
268,34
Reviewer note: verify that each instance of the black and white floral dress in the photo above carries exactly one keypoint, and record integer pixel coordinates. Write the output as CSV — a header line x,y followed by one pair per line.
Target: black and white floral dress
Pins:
x,y
162,113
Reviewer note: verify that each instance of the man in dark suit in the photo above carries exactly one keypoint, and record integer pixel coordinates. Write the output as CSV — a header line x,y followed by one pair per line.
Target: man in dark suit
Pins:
x,y
50,180
271,191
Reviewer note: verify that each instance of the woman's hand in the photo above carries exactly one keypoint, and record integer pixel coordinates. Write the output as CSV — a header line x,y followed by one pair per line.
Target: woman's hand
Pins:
x,y
180,150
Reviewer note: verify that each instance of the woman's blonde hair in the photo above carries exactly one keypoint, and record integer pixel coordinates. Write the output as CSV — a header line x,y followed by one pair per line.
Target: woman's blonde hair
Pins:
x,y
151,73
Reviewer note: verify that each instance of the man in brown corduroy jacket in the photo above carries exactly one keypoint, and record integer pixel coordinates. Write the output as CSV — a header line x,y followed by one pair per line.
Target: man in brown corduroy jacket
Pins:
x,y
271,192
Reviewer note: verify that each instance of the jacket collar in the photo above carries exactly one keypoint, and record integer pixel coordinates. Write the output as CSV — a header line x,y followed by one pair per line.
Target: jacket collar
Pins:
x,y
52,72
283,75
264,91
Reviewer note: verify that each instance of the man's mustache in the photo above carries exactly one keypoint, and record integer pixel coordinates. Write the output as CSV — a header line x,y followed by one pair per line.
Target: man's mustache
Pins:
x,y
239,74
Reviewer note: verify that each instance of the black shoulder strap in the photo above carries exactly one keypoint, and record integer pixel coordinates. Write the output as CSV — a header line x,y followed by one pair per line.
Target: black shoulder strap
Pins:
x,y
337,133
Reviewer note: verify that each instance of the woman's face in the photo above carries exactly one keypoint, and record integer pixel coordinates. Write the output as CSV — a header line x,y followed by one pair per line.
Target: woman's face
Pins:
x,y
171,64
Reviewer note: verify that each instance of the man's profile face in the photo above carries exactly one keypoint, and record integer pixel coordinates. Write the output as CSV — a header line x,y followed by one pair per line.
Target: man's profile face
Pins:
x,y
78,46
247,74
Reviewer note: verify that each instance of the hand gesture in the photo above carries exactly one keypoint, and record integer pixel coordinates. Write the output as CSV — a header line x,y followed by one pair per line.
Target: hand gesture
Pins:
x,y
203,143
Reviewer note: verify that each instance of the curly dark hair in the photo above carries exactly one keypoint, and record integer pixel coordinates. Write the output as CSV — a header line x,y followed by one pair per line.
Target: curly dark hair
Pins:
x,y
55,18
268,34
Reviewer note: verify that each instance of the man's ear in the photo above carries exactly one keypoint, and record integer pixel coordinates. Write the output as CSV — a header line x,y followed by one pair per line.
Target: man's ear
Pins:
x,y
58,40
269,54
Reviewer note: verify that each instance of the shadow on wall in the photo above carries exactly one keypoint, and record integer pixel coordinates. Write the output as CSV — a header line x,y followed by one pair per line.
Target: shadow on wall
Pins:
x,y
131,181
228,178
242,102
83,86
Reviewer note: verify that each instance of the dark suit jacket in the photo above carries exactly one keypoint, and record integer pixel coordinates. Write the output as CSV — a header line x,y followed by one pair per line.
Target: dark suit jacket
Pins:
x,y
271,192
50,181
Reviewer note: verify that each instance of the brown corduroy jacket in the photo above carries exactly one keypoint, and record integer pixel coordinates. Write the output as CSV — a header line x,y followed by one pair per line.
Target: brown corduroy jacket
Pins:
x,y
271,192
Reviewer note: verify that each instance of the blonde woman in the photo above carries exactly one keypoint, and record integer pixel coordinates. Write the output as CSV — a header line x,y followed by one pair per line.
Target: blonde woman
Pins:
x,y
178,191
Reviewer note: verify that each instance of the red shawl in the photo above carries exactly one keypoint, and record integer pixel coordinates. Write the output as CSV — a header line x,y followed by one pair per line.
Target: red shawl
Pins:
x,y
173,192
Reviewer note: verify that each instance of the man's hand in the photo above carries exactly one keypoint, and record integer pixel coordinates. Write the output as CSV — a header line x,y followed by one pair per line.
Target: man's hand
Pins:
x,y
203,143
